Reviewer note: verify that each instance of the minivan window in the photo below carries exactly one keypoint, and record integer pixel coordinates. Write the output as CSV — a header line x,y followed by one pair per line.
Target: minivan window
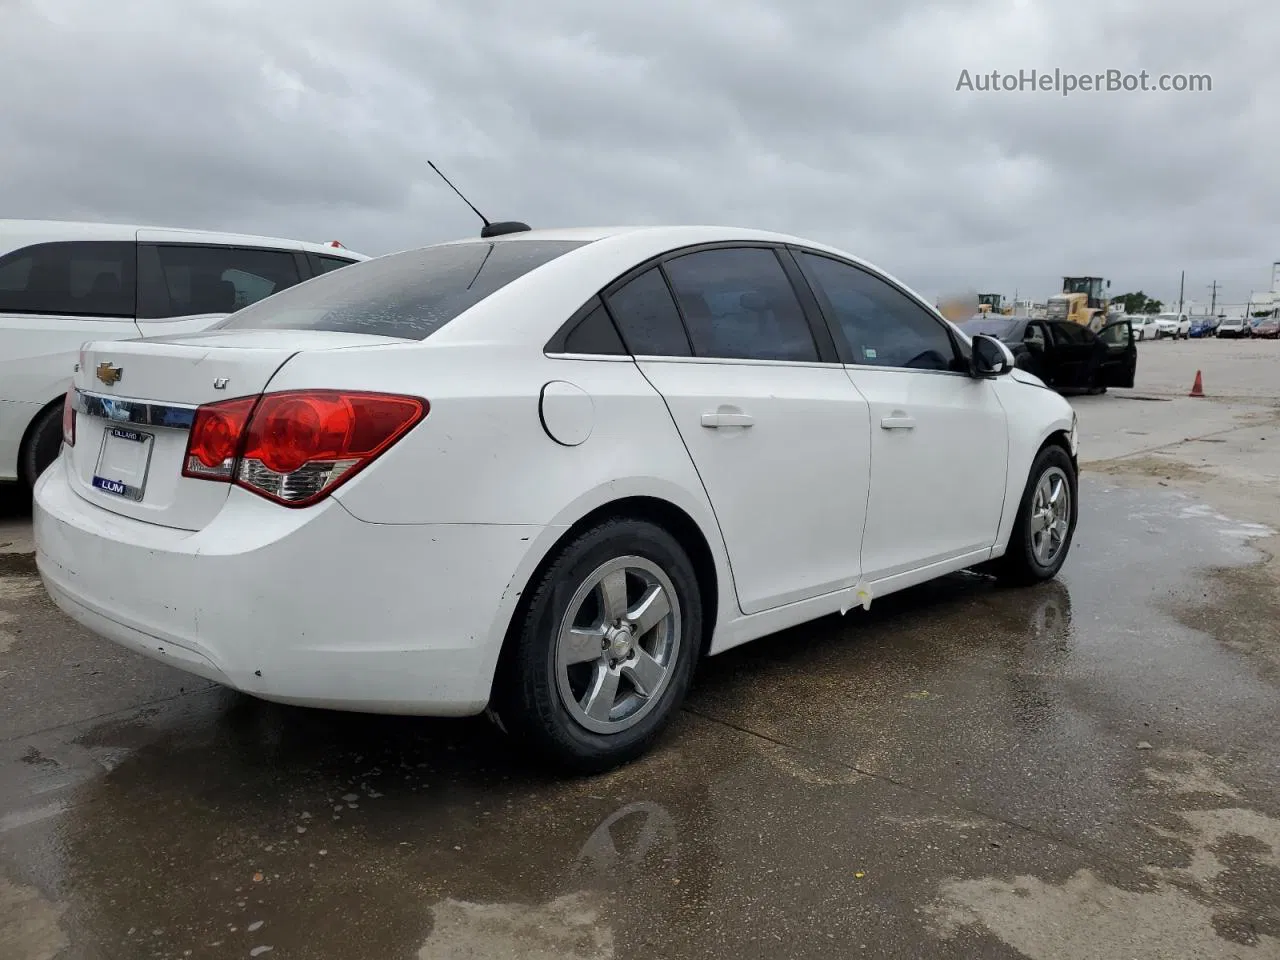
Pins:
x,y
181,280
407,295
80,278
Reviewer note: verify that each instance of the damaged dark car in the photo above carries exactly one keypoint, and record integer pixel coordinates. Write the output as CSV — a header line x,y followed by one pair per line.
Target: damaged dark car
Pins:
x,y
1065,355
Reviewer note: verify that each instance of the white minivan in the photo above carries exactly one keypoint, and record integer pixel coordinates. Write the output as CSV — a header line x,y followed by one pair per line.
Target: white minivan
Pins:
x,y
64,283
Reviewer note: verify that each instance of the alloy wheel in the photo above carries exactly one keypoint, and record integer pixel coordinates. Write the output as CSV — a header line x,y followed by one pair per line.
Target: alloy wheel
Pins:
x,y
617,645
1050,515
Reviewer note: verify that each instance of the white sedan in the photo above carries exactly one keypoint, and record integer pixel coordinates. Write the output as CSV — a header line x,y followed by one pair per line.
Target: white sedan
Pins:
x,y
1145,326
544,474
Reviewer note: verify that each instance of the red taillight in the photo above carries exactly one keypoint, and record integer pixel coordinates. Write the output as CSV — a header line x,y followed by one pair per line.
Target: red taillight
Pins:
x,y
215,439
296,447
69,418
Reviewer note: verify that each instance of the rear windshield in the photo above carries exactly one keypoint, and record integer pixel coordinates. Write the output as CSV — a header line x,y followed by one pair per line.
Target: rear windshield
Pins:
x,y
408,295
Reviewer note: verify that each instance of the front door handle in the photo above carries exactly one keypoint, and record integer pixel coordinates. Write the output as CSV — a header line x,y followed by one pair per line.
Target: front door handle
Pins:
x,y
727,420
899,421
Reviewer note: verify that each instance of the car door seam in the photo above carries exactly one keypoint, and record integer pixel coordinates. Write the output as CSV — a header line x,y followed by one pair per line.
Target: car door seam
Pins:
x,y
698,473
866,507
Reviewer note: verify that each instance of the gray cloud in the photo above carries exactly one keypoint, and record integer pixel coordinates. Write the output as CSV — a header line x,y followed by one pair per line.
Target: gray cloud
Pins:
x,y
316,120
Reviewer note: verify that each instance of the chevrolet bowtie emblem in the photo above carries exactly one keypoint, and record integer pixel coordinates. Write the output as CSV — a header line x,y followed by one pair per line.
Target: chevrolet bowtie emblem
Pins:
x,y
109,374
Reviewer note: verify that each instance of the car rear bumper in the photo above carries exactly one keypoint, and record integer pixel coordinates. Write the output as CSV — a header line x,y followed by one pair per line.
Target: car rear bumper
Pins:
x,y
311,607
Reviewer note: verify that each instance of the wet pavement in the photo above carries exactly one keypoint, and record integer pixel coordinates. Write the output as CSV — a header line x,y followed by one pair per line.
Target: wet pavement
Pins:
x,y
1086,769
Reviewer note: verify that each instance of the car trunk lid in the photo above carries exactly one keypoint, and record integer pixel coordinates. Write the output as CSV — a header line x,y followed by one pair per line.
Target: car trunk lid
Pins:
x,y
135,403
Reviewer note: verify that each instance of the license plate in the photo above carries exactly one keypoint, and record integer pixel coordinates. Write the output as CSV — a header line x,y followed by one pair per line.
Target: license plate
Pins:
x,y
123,463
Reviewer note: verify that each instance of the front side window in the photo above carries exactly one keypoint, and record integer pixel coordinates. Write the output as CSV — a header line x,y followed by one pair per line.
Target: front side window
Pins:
x,y
1071,333
80,278
1115,334
882,326
738,304
183,281
407,295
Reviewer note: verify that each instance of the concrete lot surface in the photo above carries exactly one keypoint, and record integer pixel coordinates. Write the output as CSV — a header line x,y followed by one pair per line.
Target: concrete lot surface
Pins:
x,y
1087,770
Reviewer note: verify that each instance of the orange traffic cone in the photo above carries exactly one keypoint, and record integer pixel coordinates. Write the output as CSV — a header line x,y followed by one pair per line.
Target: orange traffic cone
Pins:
x,y
1197,388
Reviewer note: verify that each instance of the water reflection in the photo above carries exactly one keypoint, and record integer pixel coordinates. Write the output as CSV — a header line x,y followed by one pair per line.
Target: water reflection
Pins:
x,y
605,900
262,825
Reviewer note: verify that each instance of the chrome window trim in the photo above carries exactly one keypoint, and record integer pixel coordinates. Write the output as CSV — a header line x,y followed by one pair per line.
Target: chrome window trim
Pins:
x,y
819,364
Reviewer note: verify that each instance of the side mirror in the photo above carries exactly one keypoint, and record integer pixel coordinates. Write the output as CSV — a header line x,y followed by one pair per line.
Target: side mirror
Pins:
x,y
991,358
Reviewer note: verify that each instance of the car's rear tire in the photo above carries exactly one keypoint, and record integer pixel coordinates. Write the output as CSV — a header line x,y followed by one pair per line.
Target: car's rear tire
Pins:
x,y
42,445
1045,525
602,653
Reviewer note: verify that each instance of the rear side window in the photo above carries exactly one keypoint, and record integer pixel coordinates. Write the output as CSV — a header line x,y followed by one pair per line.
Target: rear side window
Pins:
x,y
595,334
181,281
81,278
322,264
408,295
647,317
739,304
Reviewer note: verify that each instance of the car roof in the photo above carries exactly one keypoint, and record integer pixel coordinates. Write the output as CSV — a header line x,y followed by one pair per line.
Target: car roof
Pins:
x,y
671,235
565,283
660,239
21,233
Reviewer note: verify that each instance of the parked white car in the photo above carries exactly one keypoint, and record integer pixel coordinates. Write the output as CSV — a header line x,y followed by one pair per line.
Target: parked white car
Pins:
x,y
543,473
1233,327
1145,325
1176,325
64,283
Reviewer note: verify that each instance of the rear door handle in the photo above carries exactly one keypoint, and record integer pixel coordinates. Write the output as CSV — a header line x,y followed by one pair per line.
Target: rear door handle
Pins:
x,y
727,420
899,421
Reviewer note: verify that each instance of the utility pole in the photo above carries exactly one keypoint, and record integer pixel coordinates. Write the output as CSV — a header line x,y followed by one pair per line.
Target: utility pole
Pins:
x,y
1181,289
1213,303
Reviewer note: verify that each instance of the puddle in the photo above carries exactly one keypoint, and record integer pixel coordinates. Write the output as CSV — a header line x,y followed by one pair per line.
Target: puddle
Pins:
x,y
961,753
18,565
30,926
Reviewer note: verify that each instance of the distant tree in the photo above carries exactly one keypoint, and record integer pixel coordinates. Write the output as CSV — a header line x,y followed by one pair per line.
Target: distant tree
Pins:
x,y
1133,302
1153,306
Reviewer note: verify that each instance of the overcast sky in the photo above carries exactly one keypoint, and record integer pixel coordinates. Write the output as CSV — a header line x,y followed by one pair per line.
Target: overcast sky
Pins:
x,y
834,120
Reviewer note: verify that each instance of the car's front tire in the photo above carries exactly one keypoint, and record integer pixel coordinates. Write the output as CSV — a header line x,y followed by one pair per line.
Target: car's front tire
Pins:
x,y
602,654
1046,520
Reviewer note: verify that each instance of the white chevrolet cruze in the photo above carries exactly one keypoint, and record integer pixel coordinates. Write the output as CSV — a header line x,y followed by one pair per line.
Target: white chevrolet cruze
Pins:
x,y
542,473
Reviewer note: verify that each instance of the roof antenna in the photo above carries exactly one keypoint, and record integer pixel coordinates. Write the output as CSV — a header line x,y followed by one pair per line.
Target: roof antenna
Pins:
x,y
489,229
